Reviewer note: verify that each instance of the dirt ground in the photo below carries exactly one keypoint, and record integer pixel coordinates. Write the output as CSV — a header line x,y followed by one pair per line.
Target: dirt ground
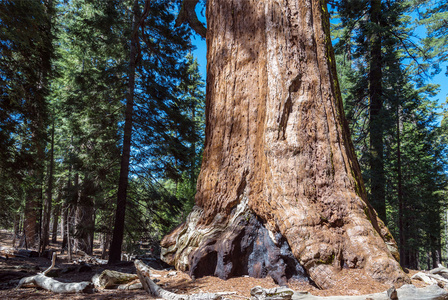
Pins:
x,y
352,282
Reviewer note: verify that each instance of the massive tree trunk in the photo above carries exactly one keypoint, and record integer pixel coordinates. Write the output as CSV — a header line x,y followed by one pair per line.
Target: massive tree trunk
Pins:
x,y
280,187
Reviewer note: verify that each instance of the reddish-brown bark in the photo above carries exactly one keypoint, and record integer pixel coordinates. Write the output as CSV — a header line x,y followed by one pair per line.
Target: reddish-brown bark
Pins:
x,y
278,149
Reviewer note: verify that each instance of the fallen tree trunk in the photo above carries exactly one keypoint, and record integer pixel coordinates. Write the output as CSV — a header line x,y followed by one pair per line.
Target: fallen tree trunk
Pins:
x,y
52,285
91,259
55,286
407,291
109,279
441,270
432,277
154,290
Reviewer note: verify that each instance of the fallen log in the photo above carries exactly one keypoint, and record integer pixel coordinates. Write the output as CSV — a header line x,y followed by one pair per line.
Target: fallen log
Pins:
x,y
259,293
50,284
133,285
425,278
441,270
109,279
434,276
90,259
407,291
154,290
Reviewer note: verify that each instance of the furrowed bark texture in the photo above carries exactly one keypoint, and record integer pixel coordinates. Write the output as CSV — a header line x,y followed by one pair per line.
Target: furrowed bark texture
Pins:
x,y
279,173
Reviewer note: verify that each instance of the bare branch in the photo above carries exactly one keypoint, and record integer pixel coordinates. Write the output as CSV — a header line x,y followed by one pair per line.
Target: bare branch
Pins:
x,y
187,15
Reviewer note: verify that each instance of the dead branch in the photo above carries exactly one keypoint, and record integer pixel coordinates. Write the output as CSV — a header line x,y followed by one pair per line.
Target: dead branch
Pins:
x,y
154,290
53,261
187,15
52,285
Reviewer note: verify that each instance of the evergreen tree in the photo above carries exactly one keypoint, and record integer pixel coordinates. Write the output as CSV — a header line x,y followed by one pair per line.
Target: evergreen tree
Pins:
x,y
26,46
89,91
157,127
409,135
433,14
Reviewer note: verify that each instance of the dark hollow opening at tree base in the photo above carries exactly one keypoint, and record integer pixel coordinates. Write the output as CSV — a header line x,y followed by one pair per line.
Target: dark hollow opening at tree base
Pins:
x,y
247,248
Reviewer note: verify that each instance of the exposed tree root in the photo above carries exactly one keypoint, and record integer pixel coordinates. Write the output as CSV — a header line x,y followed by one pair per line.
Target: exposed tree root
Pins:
x,y
153,289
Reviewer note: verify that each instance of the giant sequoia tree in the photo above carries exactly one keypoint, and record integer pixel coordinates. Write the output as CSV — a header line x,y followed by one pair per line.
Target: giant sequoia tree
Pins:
x,y
280,189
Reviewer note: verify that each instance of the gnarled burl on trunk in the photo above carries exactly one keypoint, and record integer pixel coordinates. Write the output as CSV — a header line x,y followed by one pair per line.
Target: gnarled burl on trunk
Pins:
x,y
280,191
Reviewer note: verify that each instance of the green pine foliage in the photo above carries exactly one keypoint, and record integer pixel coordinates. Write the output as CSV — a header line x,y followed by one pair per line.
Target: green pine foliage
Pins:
x,y
26,51
66,63
434,15
413,152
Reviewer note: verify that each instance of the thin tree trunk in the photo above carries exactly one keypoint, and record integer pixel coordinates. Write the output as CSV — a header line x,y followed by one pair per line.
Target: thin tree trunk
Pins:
x,y
56,214
16,229
49,198
31,219
377,178
69,235
117,238
85,219
401,204
193,147
73,215
64,226
105,245
66,209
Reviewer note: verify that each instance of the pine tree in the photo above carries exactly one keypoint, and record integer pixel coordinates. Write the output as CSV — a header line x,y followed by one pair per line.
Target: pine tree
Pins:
x,y
26,54
89,91
157,50
406,111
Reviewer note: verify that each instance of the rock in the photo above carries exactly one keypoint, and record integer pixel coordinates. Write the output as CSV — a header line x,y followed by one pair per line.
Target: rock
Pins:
x,y
171,274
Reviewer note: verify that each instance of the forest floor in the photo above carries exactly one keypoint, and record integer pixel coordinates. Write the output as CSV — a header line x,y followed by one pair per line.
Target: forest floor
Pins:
x,y
353,282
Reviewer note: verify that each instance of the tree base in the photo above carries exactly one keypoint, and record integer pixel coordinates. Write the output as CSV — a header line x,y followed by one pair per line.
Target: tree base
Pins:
x,y
242,246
